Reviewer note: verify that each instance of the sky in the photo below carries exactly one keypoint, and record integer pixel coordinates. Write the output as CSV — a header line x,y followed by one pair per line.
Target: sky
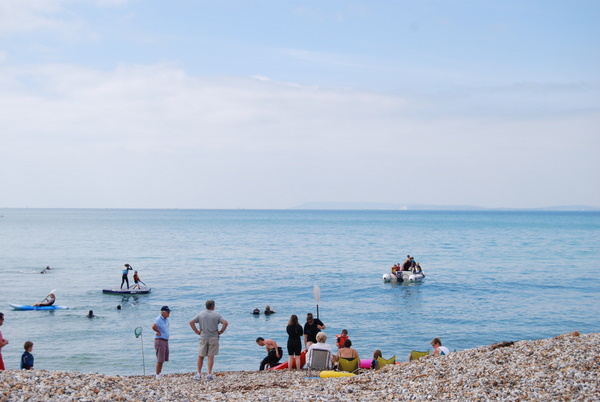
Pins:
x,y
265,104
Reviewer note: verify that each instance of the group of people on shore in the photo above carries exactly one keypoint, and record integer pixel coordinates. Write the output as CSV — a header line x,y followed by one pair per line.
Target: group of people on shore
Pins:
x,y
314,338
208,324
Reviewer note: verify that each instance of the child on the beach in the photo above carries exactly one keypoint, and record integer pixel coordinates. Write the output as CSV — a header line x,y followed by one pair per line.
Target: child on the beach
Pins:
x,y
376,354
27,358
341,338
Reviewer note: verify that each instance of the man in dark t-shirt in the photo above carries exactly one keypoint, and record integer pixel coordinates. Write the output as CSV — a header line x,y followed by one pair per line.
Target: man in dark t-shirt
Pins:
x,y
312,327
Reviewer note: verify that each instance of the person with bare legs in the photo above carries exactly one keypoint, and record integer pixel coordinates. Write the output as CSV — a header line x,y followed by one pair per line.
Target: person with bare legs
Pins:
x,y
206,324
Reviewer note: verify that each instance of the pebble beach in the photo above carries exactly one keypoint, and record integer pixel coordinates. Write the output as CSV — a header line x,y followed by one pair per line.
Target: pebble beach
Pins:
x,y
564,368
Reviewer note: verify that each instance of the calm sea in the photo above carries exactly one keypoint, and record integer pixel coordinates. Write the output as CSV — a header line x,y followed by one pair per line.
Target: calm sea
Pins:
x,y
491,277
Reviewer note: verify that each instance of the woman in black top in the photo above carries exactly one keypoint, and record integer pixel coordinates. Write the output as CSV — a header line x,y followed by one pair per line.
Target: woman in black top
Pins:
x,y
294,343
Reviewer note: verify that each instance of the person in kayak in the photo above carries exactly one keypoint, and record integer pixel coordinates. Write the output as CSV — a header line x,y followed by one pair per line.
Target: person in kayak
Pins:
x,y
48,301
124,278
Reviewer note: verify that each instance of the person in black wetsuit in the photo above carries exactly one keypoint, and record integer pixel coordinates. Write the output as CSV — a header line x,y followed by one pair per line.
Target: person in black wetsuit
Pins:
x,y
407,264
124,278
274,352
294,343
312,327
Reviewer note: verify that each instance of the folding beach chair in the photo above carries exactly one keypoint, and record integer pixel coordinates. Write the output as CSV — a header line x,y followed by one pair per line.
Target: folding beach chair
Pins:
x,y
349,365
414,355
318,359
381,362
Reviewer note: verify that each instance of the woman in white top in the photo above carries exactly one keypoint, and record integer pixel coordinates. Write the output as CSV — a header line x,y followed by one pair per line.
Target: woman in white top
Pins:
x,y
439,350
321,345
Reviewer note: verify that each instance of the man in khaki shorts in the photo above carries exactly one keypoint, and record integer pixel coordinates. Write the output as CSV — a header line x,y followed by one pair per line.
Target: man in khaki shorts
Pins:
x,y
208,328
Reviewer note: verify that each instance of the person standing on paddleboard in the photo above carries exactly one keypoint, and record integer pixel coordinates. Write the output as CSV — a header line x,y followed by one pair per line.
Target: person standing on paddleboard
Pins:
x,y
124,278
136,280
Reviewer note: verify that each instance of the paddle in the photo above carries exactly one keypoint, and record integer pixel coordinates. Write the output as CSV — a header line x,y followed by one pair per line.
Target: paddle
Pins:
x,y
46,298
317,294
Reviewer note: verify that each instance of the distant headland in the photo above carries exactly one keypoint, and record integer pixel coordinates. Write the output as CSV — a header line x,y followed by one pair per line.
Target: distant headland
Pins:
x,y
426,207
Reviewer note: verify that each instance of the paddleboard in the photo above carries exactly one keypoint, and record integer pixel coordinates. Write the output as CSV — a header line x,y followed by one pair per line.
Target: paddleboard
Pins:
x,y
131,291
27,307
284,365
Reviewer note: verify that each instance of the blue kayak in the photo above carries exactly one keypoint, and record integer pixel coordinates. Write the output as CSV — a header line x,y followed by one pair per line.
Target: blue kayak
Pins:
x,y
27,307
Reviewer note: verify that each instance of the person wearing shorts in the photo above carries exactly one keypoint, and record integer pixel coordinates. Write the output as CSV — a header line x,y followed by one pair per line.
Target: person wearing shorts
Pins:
x,y
206,324
161,339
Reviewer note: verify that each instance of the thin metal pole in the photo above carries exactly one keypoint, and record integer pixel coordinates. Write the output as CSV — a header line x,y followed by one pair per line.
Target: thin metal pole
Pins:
x,y
143,360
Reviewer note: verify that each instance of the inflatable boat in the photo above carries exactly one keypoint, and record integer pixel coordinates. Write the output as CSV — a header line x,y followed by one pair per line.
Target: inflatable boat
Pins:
x,y
404,276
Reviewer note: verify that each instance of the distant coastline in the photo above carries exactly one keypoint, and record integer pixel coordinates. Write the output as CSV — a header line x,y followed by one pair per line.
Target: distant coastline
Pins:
x,y
339,206
427,207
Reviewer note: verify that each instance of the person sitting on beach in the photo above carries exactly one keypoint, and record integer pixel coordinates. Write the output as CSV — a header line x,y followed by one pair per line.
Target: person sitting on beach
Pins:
x,y
346,352
274,352
320,345
439,350
27,357
374,362
268,310
48,301
341,338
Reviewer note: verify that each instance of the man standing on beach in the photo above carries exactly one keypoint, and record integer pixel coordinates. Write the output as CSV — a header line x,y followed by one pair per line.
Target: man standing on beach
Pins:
x,y
3,343
312,327
161,339
208,328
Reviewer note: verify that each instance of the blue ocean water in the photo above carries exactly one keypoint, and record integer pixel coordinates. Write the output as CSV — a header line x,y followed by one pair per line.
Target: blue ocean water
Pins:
x,y
491,276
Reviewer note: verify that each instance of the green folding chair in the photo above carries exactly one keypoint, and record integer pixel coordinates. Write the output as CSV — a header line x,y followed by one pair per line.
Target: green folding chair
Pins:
x,y
349,365
415,354
381,362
